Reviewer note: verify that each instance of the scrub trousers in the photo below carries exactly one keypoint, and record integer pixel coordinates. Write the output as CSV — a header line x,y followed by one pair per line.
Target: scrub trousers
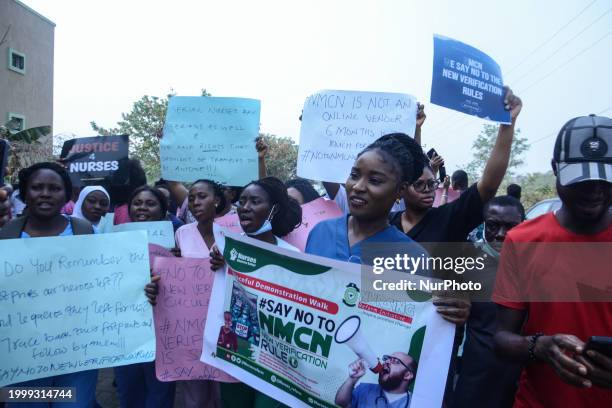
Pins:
x,y
138,387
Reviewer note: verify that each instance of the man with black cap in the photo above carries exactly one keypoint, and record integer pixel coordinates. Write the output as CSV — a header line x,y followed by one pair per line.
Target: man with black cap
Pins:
x,y
549,334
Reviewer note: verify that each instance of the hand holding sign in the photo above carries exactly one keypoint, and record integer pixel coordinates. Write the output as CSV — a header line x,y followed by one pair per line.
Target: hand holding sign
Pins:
x,y
467,80
337,125
512,103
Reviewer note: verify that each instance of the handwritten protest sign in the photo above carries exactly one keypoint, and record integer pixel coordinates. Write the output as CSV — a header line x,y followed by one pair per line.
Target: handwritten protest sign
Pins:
x,y
290,325
73,303
105,226
467,80
180,316
337,125
97,160
312,213
159,232
210,138
156,251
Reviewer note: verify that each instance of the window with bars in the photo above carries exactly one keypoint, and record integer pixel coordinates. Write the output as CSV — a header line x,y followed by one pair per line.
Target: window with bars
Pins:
x,y
17,61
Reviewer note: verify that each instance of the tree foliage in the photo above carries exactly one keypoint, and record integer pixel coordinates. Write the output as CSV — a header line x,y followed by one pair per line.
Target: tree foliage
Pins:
x,y
281,160
144,125
28,146
483,145
535,187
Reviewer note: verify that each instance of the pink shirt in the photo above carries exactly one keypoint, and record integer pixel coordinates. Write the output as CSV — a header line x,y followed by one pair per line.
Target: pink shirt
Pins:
x,y
190,241
122,214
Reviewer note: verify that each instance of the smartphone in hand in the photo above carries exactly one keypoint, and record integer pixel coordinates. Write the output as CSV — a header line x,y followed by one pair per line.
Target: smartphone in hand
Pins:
x,y
442,170
600,344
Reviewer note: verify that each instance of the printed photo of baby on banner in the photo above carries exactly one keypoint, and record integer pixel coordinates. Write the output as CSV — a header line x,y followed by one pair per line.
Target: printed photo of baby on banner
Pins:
x,y
294,327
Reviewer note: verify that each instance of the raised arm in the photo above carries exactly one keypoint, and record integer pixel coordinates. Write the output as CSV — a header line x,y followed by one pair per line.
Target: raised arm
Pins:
x,y
178,192
419,122
496,166
344,394
262,149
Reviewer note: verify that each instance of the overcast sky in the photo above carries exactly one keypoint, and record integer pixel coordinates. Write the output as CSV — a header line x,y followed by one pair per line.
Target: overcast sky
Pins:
x,y
110,53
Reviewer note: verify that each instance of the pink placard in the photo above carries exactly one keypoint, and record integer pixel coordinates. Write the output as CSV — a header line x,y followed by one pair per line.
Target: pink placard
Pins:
x,y
312,213
452,196
158,250
180,316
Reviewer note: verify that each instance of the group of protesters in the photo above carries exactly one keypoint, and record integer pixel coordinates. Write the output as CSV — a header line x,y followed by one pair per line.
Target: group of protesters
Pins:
x,y
513,352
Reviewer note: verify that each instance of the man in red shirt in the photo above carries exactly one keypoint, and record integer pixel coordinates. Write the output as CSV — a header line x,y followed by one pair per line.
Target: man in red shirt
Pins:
x,y
538,324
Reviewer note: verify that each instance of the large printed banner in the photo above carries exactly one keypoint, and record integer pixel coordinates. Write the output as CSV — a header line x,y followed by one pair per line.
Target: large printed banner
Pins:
x,y
337,125
74,303
312,213
467,80
97,160
180,316
291,325
210,138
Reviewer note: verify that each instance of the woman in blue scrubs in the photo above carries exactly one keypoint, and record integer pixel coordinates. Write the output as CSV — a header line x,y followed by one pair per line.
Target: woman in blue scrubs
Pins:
x,y
379,178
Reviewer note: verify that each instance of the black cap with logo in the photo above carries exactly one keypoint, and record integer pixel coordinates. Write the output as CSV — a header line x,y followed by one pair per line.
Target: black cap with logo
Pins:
x,y
583,150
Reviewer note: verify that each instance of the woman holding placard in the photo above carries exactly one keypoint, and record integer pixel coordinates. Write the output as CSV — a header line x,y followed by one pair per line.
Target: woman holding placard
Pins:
x,y
46,189
196,240
266,212
137,384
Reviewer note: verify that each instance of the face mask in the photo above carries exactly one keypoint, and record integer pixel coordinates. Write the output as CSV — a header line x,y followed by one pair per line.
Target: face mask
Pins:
x,y
266,226
487,247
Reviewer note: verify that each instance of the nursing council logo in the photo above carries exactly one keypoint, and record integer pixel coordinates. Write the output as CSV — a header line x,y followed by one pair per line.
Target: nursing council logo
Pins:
x,y
236,256
351,295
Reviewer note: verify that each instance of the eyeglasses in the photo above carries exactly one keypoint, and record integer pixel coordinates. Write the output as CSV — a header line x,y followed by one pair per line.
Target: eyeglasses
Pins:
x,y
421,186
394,360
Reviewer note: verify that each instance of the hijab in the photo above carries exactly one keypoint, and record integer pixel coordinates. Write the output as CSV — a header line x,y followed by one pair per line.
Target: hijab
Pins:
x,y
78,207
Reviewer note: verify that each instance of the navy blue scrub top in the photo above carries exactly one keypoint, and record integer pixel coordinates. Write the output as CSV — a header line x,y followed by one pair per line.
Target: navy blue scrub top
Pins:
x,y
329,238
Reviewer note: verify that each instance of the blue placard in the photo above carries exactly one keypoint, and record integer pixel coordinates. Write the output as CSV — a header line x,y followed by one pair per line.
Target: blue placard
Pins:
x,y
467,80
73,303
210,138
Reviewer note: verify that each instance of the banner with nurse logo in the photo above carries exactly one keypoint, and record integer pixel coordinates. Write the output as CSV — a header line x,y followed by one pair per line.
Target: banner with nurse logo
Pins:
x,y
337,125
97,160
300,329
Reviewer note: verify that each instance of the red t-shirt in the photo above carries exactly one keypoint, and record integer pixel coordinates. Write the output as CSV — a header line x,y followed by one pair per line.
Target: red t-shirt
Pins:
x,y
539,385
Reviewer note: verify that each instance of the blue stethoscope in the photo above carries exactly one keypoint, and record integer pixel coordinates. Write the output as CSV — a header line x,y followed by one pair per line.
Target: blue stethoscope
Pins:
x,y
382,397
